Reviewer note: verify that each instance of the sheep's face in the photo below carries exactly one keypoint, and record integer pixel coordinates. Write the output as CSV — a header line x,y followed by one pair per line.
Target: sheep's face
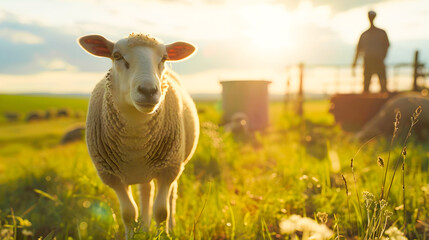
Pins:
x,y
138,67
138,75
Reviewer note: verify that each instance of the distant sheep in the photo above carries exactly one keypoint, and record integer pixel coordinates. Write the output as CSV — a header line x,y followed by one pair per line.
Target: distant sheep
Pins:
x,y
141,124
239,127
382,123
11,116
34,116
239,124
76,133
50,113
64,112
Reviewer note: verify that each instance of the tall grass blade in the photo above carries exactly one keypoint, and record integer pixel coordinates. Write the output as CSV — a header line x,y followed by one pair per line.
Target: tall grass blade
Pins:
x,y
395,130
414,120
50,236
194,228
265,230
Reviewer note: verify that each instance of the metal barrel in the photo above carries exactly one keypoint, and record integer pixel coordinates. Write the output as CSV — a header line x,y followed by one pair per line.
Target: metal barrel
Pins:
x,y
249,97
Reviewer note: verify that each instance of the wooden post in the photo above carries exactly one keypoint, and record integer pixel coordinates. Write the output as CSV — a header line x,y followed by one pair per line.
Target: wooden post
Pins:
x,y
416,70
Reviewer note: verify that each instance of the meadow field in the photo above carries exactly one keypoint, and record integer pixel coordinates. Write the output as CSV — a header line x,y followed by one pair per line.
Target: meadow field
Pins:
x,y
296,180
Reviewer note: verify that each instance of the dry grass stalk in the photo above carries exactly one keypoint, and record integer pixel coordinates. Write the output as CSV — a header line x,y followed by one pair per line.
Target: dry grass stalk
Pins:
x,y
395,131
380,161
414,120
347,193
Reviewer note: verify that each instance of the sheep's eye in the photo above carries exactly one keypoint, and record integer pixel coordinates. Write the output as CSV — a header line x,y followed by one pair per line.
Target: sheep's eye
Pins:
x,y
117,56
161,63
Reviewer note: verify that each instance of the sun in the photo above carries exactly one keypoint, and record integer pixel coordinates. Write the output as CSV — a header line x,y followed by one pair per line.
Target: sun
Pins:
x,y
267,27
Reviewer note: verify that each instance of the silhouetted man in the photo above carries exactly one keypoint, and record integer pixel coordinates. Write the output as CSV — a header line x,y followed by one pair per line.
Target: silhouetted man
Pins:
x,y
373,44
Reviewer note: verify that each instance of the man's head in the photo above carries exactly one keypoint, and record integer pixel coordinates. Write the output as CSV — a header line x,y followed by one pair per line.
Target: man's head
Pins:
x,y
371,16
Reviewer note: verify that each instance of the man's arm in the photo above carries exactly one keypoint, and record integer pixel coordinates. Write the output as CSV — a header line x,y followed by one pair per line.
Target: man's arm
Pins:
x,y
358,50
387,44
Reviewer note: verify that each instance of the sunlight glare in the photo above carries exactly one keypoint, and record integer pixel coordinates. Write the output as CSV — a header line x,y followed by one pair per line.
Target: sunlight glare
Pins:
x,y
267,26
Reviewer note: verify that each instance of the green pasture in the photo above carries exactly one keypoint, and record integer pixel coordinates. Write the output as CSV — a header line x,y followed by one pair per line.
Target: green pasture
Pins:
x,y
233,188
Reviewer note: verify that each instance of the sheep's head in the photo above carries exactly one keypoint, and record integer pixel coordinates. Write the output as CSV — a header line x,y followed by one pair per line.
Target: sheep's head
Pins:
x,y
138,64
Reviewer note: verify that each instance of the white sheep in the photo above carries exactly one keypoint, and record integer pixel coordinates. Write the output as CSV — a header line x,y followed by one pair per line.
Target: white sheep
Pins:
x,y
141,124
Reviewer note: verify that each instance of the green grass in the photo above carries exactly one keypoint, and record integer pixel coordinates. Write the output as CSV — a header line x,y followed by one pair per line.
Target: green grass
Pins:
x,y
229,190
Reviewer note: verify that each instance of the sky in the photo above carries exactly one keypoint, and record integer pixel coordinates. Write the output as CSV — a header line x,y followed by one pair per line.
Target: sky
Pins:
x,y
236,39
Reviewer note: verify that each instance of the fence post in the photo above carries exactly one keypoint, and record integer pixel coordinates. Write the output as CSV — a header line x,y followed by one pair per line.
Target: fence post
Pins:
x,y
416,70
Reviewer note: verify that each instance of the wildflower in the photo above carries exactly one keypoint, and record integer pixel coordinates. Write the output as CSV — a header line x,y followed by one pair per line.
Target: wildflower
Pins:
x,y
383,203
303,177
27,233
388,214
288,226
6,233
380,161
395,234
323,217
400,207
368,198
296,223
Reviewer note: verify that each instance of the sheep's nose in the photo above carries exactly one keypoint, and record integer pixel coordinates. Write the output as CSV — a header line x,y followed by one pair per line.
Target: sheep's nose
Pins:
x,y
147,92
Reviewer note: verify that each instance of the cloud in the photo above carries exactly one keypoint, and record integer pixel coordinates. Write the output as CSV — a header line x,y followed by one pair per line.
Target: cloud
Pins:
x,y
230,34
58,50
56,64
341,5
402,20
52,82
335,5
20,37
243,35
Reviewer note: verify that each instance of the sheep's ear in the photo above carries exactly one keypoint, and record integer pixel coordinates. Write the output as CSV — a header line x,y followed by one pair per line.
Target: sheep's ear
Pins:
x,y
179,51
96,45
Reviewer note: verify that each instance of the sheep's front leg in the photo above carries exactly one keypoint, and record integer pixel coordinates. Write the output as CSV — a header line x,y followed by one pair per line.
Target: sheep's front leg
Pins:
x,y
172,203
146,200
161,210
128,207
